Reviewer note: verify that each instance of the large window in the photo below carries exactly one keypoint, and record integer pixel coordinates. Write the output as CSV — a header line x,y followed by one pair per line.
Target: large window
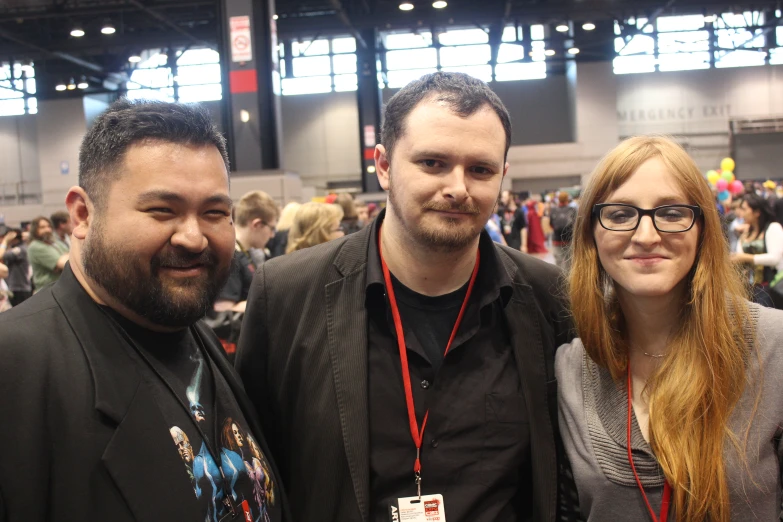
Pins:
x,y
321,65
330,65
17,89
194,77
410,55
687,42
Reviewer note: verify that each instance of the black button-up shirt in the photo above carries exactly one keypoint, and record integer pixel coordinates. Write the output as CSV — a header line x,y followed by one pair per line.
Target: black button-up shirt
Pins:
x,y
476,447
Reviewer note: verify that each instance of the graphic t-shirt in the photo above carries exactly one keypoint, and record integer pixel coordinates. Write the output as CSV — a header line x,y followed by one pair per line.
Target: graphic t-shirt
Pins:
x,y
206,425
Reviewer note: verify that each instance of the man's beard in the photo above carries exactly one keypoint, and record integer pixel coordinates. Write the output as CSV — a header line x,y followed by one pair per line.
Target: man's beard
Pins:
x,y
47,238
143,291
452,236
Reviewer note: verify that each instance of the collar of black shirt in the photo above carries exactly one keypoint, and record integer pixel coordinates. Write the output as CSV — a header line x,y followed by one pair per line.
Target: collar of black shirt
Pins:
x,y
492,283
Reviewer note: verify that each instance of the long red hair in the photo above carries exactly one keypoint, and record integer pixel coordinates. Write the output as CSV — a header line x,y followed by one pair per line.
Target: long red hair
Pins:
x,y
694,391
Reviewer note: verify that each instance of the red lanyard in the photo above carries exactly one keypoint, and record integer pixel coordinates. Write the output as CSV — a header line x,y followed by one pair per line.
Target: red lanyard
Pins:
x,y
417,435
667,490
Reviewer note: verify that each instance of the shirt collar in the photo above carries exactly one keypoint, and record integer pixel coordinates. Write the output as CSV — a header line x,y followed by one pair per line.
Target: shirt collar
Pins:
x,y
493,279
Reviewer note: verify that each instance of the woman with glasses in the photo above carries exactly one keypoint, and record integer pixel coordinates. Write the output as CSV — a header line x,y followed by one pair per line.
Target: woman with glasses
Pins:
x,y
315,223
670,400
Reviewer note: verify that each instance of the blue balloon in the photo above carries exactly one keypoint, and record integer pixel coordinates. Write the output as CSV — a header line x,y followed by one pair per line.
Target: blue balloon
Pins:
x,y
723,195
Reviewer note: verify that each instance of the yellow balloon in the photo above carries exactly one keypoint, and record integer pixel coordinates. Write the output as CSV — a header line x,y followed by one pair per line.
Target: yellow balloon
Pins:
x,y
713,177
727,164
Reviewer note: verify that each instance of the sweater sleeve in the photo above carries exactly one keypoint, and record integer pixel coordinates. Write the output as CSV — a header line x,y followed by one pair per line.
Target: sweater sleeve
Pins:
x,y
774,240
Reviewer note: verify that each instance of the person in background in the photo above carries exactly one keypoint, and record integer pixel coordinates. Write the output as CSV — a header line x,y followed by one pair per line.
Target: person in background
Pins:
x,y
256,218
374,209
760,246
350,222
769,193
535,236
61,223
46,254
562,218
315,223
278,244
363,212
514,225
671,402
493,226
13,253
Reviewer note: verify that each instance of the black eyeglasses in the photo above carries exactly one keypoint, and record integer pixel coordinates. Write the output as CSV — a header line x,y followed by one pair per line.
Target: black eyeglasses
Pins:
x,y
273,229
670,219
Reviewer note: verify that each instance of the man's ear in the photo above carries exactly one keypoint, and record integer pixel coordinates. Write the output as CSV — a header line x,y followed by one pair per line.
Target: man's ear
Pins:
x,y
382,165
81,209
257,223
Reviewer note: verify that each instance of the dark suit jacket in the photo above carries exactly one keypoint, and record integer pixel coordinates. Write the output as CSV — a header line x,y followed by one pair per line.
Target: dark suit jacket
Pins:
x,y
81,435
303,359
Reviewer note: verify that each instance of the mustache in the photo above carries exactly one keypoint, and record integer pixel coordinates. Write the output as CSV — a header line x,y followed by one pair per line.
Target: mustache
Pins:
x,y
446,207
180,257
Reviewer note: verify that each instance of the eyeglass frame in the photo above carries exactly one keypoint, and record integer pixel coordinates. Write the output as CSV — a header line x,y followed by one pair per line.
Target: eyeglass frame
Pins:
x,y
273,229
697,213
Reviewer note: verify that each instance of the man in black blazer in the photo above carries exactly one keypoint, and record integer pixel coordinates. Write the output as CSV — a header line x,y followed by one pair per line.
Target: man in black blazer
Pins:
x,y
117,402
407,369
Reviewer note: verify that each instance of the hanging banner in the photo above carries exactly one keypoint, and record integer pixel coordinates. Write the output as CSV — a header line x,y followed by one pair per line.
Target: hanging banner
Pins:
x,y
241,46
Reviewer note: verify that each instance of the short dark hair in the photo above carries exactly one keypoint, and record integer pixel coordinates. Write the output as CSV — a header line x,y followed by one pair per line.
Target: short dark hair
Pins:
x,y
464,94
126,123
58,218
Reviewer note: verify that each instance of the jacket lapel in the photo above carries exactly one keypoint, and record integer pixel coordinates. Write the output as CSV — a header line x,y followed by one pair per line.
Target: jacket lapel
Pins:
x,y
140,457
524,326
346,320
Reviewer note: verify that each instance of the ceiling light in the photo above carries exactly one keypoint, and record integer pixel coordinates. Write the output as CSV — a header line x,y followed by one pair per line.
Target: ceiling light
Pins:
x,y
406,6
561,28
83,84
108,28
244,116
60,87
549,52
439,4
275,17
71,85
77,32
371,169
573,50
588,26
134,58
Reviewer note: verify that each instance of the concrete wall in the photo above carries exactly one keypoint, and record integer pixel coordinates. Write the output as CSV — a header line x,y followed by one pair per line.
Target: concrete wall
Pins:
x,y
321,137
19,172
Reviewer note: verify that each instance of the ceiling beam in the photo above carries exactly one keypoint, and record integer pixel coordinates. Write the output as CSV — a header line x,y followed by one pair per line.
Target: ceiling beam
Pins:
x,y
52,54
171,24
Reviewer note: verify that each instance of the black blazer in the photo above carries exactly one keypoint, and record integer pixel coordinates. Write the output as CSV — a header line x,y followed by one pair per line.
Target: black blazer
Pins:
x,y
303,358
81,435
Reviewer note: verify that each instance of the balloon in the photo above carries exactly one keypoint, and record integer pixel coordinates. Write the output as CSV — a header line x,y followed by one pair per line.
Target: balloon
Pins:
x,y
713,177
728,176
736,187
727,164
723,196
722,185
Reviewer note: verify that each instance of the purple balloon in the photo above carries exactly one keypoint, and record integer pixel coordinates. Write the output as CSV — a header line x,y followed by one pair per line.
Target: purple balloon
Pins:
x,y
722,185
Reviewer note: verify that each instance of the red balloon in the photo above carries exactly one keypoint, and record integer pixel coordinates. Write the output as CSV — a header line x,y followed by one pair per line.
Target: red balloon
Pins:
x,y
736,187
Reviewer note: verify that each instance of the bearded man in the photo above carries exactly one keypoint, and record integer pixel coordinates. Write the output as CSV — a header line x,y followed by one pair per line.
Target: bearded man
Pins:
x,y
407,369
101,367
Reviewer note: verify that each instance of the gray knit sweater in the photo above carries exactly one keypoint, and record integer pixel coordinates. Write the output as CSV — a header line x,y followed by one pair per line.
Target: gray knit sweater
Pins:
x,y
593,425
